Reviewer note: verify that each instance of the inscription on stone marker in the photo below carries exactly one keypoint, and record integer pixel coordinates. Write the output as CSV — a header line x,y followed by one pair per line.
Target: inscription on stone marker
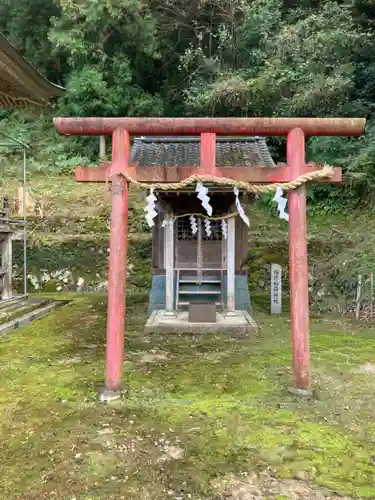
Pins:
x,y
275,289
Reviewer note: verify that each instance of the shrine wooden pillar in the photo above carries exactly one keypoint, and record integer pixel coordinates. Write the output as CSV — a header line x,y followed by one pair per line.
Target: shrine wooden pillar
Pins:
x,y
298,266
169,243
117,265
231,267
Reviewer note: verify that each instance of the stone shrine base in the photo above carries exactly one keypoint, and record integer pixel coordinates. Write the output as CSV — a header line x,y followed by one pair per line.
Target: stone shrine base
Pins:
x,y
240,323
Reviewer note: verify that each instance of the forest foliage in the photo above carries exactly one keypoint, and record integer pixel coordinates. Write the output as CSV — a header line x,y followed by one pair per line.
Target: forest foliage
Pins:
x,y
207,58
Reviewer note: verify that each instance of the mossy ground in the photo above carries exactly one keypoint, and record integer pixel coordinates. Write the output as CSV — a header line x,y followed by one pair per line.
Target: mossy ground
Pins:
x,y
221,402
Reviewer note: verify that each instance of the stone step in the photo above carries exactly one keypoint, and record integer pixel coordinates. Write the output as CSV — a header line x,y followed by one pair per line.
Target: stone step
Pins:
x,y
200,286
12,306
7,303
186,304
42,307
20,308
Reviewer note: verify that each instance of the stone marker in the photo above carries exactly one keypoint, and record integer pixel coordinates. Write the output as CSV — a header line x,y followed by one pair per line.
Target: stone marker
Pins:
x,y
275,289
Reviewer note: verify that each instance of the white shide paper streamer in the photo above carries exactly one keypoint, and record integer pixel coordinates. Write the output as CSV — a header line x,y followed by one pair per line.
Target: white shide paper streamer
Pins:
x,y
202,195
224,229
207,227
193,224
240,209
281,204
151,213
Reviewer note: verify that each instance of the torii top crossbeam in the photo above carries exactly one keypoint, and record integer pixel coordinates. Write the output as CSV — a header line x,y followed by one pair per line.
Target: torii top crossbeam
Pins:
x,y
220,126
205,127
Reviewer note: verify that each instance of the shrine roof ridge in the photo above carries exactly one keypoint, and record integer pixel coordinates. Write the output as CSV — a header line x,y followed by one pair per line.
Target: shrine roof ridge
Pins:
x,y
195,138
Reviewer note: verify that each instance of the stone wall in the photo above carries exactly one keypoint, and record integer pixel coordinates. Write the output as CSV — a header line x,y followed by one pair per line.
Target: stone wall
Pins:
x,y
78,264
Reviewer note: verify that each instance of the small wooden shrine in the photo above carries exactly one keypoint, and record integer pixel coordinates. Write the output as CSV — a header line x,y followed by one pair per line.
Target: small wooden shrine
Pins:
x,y
198,245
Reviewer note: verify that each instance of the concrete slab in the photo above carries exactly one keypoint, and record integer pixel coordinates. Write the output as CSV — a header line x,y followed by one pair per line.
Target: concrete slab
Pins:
x,y
240,323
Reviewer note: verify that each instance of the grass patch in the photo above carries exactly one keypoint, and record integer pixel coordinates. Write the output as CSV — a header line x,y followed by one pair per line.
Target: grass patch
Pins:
x,y
207,406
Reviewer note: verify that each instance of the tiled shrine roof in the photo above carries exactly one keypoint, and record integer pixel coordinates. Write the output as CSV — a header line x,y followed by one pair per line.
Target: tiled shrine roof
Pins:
x,y
20,83
185,152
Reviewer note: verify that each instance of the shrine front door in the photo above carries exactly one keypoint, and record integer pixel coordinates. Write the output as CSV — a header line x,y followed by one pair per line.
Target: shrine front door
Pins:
x,y
203,251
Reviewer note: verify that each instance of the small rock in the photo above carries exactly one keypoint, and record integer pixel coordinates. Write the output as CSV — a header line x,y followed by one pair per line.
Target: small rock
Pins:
x,y
80,284
105,431
153,358
171,453
301,475
367,368
70,361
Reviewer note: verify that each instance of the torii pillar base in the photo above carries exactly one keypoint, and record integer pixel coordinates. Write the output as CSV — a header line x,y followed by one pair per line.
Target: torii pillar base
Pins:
x,y
301,393
108,396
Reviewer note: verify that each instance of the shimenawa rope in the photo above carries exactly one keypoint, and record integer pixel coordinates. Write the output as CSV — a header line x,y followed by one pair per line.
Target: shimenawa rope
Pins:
x,y
325,172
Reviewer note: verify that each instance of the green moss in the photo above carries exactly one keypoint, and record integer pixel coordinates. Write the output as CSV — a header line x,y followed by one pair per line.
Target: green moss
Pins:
x,y
222,400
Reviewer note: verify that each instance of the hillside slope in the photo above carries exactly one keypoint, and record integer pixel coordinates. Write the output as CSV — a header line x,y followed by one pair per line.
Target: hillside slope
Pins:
x,y
75,225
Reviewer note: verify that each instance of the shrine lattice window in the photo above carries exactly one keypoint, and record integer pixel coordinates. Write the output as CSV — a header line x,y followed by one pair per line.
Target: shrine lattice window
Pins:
x,y
184,232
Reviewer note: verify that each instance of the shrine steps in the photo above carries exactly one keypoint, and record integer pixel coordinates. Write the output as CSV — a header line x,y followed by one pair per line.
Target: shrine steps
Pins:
x,y
191,289
158,291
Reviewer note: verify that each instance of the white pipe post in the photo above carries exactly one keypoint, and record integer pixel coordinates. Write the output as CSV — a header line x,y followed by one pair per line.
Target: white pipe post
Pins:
x,y
231,252
199,251
169,266
358,298
102,146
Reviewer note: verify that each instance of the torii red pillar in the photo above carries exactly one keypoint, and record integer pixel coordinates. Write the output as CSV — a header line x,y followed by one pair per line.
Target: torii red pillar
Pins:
x,y
298,266
117,265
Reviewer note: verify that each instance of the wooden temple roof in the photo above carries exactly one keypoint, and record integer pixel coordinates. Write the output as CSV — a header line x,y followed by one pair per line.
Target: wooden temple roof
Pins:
x,y
20,84
185,152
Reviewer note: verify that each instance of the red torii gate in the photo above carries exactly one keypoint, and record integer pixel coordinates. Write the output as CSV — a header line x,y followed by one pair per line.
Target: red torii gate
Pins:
x,y
296,130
